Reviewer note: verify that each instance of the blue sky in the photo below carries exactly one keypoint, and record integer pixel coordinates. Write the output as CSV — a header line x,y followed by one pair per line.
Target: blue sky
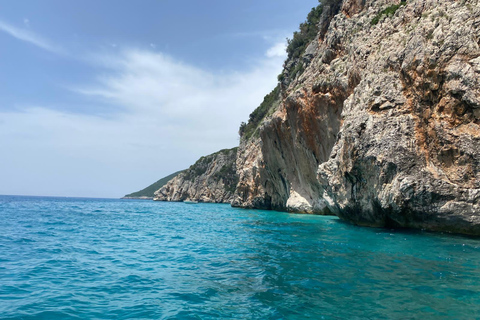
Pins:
x,y
102,98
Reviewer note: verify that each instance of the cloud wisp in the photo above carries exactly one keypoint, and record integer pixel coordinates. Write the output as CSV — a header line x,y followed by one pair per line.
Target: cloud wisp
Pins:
x,y
278,50
30,37
164,115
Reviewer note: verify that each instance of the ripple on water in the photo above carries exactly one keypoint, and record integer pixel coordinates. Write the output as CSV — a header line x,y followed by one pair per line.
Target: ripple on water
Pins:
x,y
113,259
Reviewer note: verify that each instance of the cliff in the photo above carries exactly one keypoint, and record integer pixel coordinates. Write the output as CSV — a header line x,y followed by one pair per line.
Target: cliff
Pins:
x,y
376,120
148,192
211,179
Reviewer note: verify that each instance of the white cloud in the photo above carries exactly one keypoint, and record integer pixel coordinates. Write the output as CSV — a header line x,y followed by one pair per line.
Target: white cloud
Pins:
x,y
168,114
278,50
155,85
30,37
26,22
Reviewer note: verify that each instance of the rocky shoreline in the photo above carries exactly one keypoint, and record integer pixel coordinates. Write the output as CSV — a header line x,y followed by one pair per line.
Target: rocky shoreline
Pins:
x,y
212,178
377,122
137,198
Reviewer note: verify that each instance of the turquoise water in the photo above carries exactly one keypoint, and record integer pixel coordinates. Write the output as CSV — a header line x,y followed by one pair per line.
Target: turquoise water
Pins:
x,y
64,258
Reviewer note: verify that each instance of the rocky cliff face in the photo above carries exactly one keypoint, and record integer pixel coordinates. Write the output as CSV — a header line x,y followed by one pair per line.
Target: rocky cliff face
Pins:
x,y
211,179
149,192
381,126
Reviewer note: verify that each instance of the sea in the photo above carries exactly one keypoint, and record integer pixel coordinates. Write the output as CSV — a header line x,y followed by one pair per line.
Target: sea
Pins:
x,y
75,258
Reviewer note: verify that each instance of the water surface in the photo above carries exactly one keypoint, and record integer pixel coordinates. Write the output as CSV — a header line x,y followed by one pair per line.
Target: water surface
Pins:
x,y
64,258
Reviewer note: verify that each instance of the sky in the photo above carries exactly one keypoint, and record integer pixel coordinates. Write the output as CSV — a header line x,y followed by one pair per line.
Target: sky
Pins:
x,y
103,98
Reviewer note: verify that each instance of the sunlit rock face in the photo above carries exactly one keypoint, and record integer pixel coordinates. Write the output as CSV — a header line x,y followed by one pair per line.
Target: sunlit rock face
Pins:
x,y
211,179
382,126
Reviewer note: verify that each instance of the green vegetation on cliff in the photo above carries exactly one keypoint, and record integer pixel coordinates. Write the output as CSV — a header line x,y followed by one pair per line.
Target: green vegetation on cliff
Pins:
x,y
212,178
150,190
247,130
308,31
228,174
296,47
389,11
201,165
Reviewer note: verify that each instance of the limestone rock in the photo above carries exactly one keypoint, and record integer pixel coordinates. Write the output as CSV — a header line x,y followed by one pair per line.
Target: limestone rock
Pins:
x,y
212,178
382,128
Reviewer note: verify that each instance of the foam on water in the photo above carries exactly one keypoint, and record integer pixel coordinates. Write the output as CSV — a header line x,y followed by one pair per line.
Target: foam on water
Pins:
x,y
64,258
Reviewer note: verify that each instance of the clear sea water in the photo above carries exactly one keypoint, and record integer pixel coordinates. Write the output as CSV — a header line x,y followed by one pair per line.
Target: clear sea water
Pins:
x,y
64,258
